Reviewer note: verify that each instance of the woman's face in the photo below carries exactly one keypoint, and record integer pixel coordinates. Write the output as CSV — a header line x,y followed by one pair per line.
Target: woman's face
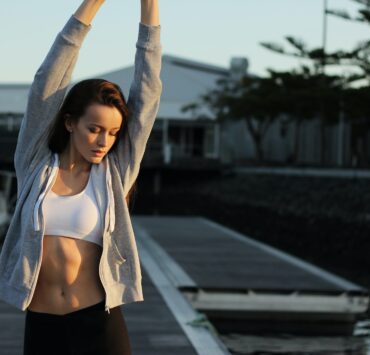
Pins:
x,y
96,130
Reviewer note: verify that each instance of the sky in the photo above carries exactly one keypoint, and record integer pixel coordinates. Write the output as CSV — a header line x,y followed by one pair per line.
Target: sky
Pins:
x,y
209,31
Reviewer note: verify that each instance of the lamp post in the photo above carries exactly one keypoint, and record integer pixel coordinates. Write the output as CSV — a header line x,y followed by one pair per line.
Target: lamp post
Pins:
x,y
324,35
323,82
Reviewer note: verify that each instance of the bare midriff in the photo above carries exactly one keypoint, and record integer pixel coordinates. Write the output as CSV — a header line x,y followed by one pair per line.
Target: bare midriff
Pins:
x,y
69,276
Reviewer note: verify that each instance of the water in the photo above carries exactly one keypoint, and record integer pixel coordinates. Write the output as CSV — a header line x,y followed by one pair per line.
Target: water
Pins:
x,y
357,344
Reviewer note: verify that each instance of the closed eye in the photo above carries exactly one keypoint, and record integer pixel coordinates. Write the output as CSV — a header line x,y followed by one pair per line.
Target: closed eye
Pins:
x,y
94,130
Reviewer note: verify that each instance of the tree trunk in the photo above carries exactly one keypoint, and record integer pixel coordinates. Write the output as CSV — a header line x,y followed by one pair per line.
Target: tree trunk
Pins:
x,y
258,148
257,140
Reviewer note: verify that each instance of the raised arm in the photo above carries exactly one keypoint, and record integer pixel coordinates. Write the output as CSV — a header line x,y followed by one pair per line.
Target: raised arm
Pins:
x,y
48,88
150,12
144,96
87,10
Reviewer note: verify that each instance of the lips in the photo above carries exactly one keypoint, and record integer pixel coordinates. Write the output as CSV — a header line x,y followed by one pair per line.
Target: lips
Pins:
x,y
99,151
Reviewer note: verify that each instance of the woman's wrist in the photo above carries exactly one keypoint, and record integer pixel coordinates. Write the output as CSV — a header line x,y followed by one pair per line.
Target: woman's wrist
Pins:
x,y
87,10
150,12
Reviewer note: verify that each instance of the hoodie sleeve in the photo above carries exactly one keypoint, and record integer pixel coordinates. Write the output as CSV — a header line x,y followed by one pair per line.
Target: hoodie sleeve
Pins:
x,y
143,104
46,95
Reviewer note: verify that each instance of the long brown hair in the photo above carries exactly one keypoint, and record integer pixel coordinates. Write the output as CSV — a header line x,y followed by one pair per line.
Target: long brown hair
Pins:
x,y
79,97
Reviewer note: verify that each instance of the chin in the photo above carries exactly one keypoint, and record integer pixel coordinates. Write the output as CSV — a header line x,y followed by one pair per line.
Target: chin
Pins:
x,y
95,159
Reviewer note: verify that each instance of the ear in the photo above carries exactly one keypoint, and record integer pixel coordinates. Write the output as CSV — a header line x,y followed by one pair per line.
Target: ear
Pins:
x,y
68,122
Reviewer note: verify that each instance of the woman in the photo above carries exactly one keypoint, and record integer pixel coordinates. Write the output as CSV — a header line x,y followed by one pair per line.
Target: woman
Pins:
x,y
69,257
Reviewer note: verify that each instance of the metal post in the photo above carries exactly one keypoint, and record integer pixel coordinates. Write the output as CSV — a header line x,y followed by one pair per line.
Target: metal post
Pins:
x,y
217,139
324,35
340,135
322,103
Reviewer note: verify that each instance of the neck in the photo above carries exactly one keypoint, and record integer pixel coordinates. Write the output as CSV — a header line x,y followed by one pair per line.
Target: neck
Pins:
x,y
74,163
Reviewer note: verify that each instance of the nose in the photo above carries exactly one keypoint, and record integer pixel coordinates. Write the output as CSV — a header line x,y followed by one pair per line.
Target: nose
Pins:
x,y
103,140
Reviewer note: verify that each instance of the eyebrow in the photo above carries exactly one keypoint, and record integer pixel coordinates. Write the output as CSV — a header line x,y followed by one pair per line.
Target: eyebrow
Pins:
x,y
94,124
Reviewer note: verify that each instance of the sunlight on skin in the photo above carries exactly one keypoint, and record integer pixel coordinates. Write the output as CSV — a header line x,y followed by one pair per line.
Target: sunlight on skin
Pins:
x,y
97,129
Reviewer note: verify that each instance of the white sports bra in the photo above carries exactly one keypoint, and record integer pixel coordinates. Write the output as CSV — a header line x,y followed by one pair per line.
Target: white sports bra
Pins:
x,y
76,216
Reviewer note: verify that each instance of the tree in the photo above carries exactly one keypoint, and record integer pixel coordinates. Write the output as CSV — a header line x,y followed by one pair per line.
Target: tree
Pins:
x,y
303,92
262,100
363,13
300,94
250,98
358,57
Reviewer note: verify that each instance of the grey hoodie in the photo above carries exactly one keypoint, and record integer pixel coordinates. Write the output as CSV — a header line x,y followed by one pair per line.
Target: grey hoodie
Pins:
x,y
36,169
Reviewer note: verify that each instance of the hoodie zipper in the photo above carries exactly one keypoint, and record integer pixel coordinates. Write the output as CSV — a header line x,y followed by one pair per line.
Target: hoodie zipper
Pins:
x,y
101,280
110,222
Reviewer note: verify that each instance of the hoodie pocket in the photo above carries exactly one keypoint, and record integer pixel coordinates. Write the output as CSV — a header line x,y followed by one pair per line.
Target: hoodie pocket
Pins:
x,y
119,258
120,267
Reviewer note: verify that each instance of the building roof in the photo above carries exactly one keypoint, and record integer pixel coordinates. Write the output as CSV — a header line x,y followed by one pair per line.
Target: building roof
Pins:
x,y
183,82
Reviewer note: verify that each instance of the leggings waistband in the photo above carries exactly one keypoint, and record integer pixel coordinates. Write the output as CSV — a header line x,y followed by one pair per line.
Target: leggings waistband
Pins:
x,y
97,306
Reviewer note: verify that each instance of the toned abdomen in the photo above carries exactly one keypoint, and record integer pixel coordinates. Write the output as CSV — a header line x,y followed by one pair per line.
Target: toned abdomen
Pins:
x,y
69,276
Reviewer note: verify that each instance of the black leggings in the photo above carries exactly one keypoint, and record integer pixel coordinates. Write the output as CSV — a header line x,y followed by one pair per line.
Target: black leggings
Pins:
x,y
87,331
